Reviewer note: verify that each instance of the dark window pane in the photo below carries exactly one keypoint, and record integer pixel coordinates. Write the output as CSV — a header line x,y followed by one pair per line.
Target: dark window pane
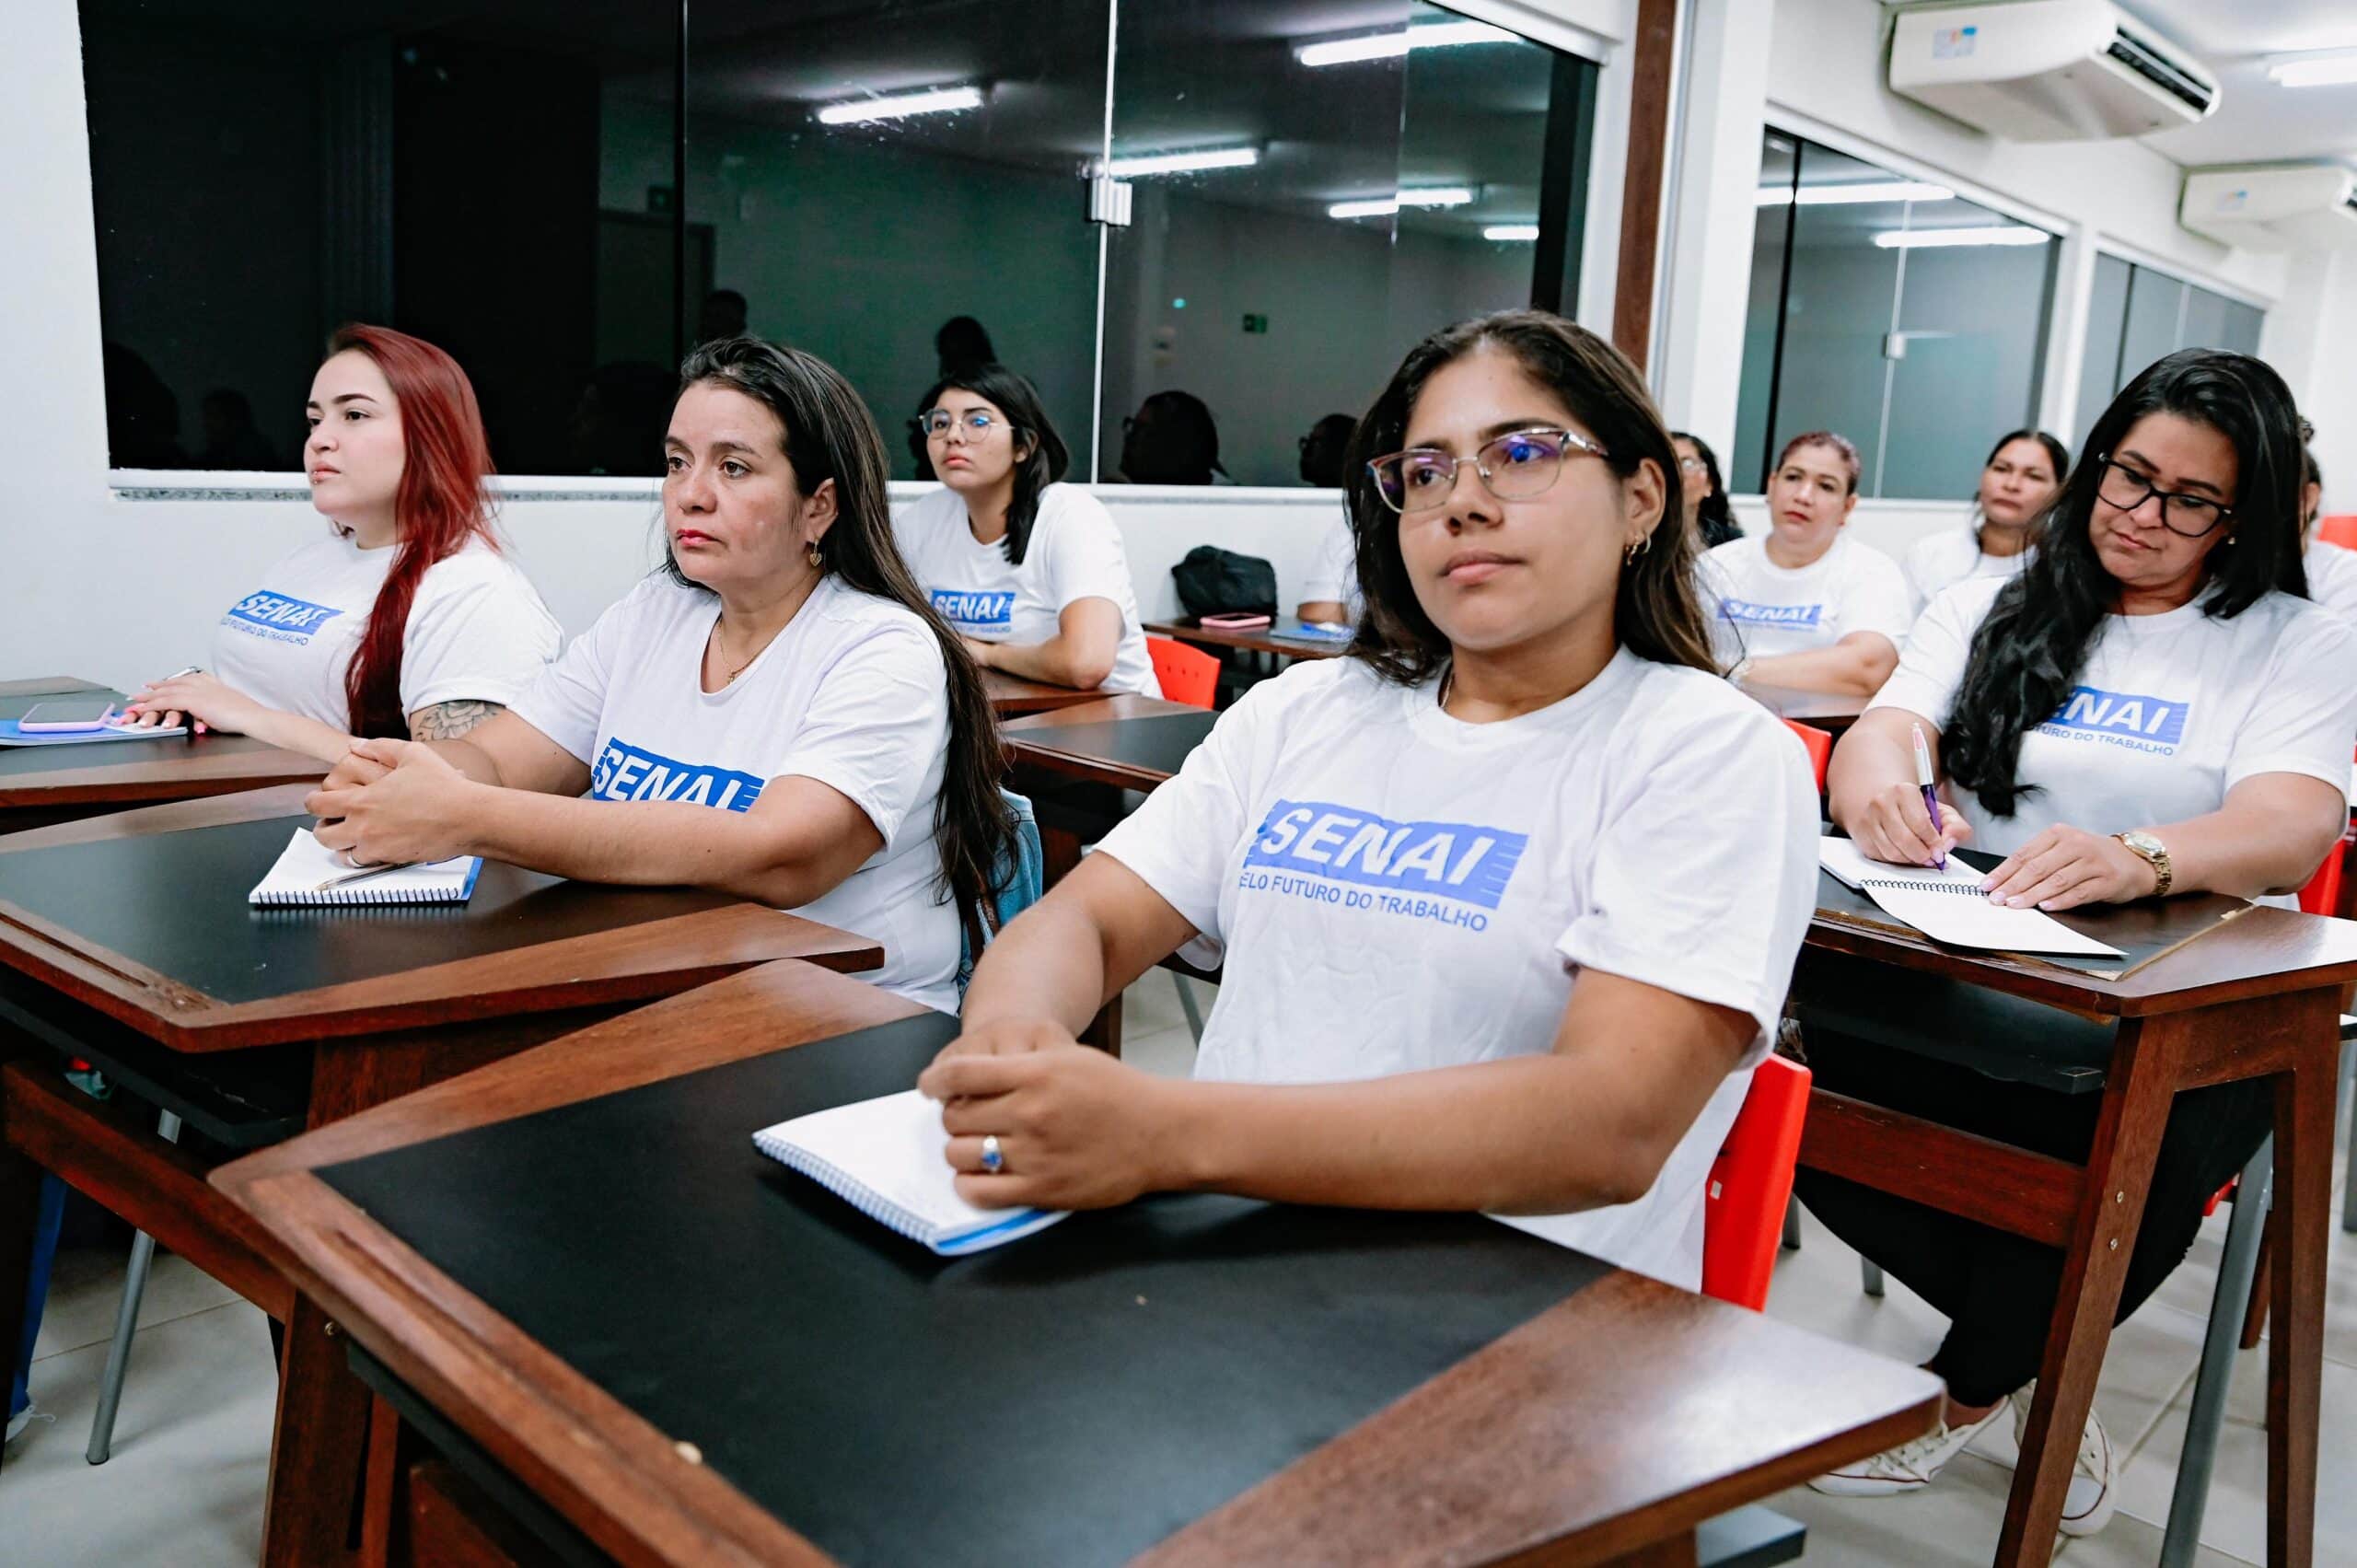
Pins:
x,y
1747,466
1842,304
2211,320
860,239
265,170
2099,371
2155,323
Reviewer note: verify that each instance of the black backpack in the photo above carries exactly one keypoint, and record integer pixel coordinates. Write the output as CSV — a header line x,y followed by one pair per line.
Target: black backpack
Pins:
x,y
1213,581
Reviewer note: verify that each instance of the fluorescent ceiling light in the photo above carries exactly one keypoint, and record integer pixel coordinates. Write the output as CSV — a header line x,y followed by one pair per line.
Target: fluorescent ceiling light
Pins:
x,y
2319,68
895,106
1391,45
1183,163
1849,195
1511,231
1384,206
1933,238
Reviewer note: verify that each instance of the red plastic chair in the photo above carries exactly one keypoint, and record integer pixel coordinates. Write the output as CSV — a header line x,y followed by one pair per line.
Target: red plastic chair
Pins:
x,y
2340,531
2322,895
1187,675
1743,1212
1820,749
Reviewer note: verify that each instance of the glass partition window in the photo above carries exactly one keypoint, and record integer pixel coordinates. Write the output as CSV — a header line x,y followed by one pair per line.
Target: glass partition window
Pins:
x,y
2135,315
1891,311
897,186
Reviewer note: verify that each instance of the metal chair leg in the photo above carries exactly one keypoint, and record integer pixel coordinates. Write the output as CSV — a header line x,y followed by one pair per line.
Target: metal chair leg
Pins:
x,y
126,1321
2211,1382
1187,1005
2349,1094
1870,1276
1792,1224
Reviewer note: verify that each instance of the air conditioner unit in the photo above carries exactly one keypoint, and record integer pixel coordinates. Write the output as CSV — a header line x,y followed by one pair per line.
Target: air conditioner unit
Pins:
x,y
2048,70
2272,206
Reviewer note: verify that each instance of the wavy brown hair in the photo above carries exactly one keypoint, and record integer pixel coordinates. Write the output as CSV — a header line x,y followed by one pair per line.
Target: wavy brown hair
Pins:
x,y
1655,615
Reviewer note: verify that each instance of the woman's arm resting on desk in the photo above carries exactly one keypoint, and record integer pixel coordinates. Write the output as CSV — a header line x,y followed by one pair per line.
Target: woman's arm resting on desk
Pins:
x,y
202,699
1328,611
1590,1124
1872,792
1080,654
2270,836
1854,667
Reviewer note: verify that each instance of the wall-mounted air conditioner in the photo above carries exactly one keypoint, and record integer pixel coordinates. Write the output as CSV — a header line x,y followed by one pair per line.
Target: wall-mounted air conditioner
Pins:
x,y
2272,206
2047,70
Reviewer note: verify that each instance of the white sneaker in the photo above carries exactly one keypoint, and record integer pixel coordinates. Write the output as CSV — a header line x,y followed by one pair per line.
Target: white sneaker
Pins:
x,y
1911,1467
2087,1507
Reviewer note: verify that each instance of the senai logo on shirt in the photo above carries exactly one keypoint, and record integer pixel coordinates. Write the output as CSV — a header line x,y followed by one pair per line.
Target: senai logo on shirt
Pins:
x,y
962,606
1746,613
1339,844
278,618
2127,718
631,773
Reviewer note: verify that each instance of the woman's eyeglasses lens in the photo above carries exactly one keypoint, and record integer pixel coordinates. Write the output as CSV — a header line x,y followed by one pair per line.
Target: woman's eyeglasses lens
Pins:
x,y
937,422
2188,515
1513,466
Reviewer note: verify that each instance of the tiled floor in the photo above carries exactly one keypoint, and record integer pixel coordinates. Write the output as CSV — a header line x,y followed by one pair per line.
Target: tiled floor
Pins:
x,y
185,1486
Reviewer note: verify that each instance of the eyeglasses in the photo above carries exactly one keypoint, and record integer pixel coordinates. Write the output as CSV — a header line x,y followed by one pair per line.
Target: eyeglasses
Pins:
x,y
1515,467
1690,465
2188,517
979,423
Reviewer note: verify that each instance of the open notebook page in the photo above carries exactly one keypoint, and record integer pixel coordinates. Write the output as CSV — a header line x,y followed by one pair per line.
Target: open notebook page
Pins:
x,y
1947,905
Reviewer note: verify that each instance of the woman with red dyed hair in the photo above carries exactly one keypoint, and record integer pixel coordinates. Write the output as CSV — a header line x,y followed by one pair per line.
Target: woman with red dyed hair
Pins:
x,y
406,620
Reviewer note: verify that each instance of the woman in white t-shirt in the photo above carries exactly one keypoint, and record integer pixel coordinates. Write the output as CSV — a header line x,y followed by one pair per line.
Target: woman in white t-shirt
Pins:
x,y
1486,947
406,620
777,713
1028,570
1802,607
2151,707
1330,593
2332,568
2024,474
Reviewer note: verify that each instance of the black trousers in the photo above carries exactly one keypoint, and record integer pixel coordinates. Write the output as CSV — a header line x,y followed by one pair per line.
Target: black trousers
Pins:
x,y
1998,1290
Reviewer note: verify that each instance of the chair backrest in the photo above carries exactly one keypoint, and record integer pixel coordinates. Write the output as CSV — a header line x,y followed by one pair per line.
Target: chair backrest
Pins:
x,y
2322,895
2340,531
1820,749
1187,675
1742,1213
1018,885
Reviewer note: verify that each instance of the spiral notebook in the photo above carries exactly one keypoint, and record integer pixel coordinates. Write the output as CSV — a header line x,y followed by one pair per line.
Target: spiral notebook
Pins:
x,y
309,875
884,1157
1947,905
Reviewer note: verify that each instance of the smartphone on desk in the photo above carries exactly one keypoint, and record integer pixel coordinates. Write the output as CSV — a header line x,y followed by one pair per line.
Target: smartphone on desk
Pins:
x,y
74,716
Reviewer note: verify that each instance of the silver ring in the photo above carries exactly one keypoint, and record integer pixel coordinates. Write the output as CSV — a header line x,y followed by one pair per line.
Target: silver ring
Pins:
x,y
993,1160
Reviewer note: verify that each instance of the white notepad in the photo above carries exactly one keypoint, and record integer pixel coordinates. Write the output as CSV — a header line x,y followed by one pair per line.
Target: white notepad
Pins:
x,y
885,1157
1948,905
310,875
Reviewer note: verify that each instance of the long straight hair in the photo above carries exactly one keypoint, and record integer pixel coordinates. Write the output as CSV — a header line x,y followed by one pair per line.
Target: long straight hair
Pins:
x,y
1655,612
2034,643
1015,398
1714,518
829,433
440,505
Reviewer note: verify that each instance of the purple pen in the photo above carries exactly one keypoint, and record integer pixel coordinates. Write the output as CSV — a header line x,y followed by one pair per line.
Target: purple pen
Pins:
x,y
1931,791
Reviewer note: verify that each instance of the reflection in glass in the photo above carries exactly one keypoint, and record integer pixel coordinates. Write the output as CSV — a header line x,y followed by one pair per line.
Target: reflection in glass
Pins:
x,y
2136,315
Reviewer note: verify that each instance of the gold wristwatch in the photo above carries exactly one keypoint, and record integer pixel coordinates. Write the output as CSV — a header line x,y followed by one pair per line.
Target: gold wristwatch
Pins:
x,y
2154,852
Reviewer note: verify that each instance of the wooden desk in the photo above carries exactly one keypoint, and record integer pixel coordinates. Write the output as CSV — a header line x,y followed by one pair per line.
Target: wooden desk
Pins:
x,y
1128,742
40,785
1011,695
1272,640
1078,1397
2258,997
126,940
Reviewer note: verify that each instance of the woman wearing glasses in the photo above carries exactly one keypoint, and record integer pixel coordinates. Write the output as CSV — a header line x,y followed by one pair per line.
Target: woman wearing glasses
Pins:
x,y
1804,606
1709,514
1480,951
2150,707
1028,570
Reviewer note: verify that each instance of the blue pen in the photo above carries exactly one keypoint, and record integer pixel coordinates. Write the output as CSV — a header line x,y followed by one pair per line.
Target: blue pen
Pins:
x,y
1931,792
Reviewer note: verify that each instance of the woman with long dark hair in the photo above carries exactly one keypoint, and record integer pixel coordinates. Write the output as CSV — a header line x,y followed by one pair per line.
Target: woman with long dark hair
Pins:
x,y
1029,570
1482,950
406,620
2150,707
2331,568
2024,474
1709,515
781,667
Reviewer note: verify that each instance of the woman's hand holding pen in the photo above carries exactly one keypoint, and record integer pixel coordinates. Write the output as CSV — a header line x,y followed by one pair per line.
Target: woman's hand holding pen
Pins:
x,y
1894,825
411,810
205,702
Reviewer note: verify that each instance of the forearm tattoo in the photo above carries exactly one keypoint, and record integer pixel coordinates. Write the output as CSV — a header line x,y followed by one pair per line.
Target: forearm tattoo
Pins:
x,y
448,721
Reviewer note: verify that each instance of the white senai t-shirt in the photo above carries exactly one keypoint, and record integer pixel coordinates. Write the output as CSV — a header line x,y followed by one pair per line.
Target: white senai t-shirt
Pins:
x,y
2170,712
477,631
1334,575
1944,560
1395,889
1074,553
851,693
2332,578
1758,609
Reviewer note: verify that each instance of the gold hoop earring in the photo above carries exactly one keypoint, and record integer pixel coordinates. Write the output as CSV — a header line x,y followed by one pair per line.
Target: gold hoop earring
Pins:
x,y
1629,556
815,559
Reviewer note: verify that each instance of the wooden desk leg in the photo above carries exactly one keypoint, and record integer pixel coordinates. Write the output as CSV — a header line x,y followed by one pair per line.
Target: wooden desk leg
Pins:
x,y
2303,1115
2137,1095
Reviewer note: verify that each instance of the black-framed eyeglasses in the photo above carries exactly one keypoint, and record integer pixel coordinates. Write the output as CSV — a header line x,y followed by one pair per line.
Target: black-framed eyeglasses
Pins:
x,y
1513,466
979,422
2188,517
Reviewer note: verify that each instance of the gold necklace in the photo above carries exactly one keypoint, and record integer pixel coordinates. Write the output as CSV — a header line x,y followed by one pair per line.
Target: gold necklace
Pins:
x,y
722,646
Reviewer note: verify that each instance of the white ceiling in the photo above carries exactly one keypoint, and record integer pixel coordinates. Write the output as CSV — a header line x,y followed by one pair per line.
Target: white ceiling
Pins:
x,y
2257,121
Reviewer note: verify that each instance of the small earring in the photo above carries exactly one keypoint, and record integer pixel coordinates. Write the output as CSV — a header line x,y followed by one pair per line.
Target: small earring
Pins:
x,y
815,559
1629,556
